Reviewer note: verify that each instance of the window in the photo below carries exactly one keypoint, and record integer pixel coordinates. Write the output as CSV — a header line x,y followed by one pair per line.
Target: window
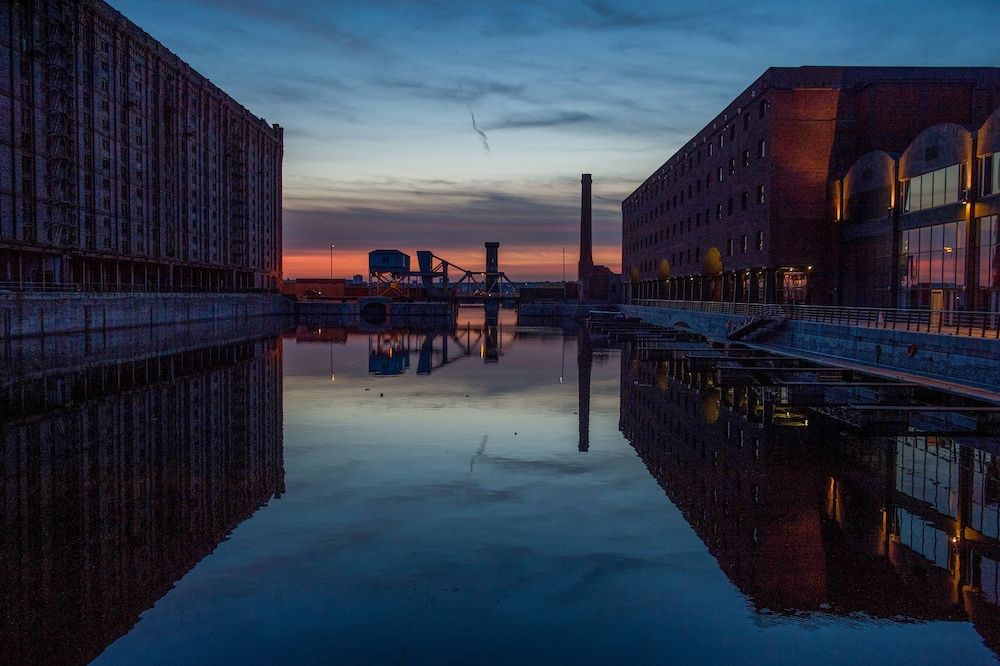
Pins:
x,y
746,121
933,257
732,166
760,241
936,188
744,200
718,211
761,148
746,156
744,244
990,174
720,174
760,194
711,149
730,207
762,109
731,248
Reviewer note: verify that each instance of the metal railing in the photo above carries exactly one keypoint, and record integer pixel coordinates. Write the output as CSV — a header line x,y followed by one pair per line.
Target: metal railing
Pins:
x,y
945,322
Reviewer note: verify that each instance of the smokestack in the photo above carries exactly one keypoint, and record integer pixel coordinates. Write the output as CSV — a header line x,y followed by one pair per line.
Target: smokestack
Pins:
x,y
586,265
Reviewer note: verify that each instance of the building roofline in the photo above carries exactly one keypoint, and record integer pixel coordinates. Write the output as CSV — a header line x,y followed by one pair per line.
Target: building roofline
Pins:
x,y
825,77
103,8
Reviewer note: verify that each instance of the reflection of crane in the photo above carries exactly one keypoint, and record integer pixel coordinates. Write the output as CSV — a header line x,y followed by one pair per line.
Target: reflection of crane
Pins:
x,y
388,353
487,341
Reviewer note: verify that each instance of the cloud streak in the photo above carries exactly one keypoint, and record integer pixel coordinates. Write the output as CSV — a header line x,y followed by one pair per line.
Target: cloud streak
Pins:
x,y
481,133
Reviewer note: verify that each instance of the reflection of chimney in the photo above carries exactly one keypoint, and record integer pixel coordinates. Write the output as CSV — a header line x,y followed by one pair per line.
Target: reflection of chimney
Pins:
x,y
584,362
586,265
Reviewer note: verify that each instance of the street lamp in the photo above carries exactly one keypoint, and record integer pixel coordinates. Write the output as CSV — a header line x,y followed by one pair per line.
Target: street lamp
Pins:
x,y
331,259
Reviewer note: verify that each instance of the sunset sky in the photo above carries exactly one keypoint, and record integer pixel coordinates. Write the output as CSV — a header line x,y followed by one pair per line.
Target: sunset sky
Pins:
x,y
377,99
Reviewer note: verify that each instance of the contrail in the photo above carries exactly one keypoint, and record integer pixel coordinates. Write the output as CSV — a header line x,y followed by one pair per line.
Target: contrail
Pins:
x,y
479,451
481,133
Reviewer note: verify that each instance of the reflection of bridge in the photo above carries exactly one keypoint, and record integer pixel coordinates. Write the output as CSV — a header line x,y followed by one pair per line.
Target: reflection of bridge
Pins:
x,y
389,351
435,280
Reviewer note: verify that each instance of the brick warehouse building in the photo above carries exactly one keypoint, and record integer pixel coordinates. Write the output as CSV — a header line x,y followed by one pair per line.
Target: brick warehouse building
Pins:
x,y
747,210
121,168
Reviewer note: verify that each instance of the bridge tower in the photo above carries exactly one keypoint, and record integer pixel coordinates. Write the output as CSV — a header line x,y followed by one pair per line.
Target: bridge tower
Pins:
x,y
492,281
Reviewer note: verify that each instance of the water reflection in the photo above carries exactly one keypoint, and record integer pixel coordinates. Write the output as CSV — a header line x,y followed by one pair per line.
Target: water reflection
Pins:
x,y
829,515
124,465
390,349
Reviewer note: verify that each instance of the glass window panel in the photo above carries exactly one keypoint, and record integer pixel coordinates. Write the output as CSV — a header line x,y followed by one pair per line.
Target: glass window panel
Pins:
x,y
996,172
926,190
913,194
984,266
925,239
937,237
904,242
937,262
948,267
951,235
952,186
993,266
924,267
938,187
960,268
985,231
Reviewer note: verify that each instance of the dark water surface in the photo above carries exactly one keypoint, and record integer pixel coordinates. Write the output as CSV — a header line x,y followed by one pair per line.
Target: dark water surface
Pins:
x,y
496,494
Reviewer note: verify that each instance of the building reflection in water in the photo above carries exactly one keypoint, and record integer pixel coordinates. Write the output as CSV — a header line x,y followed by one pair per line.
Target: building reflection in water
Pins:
x,y
822,518
119,475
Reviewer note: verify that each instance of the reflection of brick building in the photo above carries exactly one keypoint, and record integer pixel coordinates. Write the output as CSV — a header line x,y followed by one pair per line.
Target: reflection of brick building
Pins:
x,y
123,168
746,211
118,479
821,520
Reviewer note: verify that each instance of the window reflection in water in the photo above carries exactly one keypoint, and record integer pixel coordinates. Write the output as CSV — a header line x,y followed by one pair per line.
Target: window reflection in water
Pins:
x,y
829,518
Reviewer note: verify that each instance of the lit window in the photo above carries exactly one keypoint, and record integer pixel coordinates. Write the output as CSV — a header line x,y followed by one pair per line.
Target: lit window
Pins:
x,y
760,194
744,244
936,188
760,241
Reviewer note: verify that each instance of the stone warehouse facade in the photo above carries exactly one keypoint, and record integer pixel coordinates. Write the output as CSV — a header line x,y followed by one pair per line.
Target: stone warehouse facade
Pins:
x,y
749,209
122,168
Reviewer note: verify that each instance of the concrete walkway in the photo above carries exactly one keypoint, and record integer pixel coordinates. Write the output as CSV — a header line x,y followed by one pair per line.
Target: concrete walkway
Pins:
x,y
963,389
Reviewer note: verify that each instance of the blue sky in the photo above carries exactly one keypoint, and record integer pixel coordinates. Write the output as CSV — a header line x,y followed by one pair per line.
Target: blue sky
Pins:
x,y
377,100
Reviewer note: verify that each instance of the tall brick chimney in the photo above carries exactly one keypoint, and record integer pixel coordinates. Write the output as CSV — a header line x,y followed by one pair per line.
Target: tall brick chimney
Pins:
x,y
586,265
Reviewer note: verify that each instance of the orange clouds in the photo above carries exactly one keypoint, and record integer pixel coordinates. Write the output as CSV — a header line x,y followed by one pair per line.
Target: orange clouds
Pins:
x,y
521,263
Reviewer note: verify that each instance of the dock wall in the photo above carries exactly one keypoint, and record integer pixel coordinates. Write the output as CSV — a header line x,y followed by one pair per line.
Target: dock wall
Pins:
x,y
32,314
951,357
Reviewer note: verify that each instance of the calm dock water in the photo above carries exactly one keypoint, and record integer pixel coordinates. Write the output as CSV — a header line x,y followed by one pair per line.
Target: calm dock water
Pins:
x,y
493,493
